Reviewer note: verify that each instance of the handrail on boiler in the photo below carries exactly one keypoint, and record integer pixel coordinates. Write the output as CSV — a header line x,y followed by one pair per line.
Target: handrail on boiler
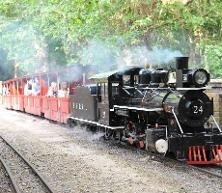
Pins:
x,y
178,123
218,127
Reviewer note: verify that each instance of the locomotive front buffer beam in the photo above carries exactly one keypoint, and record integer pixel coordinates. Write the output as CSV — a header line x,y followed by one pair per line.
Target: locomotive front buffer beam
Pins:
x,y
202,149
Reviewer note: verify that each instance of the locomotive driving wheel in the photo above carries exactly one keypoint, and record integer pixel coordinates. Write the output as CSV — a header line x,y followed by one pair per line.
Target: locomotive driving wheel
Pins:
x,y
108,134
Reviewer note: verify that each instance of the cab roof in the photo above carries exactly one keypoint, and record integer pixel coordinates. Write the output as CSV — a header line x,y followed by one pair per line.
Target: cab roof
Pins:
x,y
103,77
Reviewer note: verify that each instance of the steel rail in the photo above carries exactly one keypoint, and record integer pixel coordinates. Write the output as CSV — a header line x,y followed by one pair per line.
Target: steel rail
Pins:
x,y
167,160
14,185
42,179
199,168
207,171
204,170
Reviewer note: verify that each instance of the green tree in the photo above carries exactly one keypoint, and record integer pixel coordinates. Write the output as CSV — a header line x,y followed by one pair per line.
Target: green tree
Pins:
x,y
6,67
65,27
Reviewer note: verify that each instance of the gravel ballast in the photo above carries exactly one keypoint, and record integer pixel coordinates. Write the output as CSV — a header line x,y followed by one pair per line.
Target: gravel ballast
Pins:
x,y
5,182
25,178
76,160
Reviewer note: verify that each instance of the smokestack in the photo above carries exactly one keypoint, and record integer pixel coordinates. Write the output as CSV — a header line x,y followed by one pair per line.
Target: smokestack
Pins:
x,y
182,63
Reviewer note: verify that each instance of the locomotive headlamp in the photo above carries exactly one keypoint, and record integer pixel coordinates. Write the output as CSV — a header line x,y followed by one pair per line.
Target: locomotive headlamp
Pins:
x,y
201,77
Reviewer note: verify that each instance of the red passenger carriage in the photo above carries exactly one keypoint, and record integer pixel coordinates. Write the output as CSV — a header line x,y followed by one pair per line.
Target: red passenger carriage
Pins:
x,y
43,94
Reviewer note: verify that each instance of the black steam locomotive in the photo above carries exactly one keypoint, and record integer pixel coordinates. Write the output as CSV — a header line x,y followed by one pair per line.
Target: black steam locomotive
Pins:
x,y
160,110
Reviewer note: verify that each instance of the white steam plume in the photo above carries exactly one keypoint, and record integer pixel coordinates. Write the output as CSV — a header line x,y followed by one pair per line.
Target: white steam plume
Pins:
x,y
25,46
106,58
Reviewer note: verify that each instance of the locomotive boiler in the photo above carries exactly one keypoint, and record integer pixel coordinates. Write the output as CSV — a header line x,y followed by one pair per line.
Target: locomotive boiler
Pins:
x,y
161,110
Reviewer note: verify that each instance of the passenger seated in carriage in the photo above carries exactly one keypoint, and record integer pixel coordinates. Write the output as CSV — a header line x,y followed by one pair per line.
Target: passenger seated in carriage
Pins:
x,y
53,89
5,91
36,87
64,90
28,88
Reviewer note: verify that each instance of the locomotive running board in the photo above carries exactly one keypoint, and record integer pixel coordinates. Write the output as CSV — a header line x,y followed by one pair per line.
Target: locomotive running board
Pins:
x,y
97,124
136,108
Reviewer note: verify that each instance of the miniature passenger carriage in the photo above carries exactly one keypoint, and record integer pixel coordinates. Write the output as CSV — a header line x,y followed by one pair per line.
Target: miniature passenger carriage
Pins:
x,y
165,111
45,94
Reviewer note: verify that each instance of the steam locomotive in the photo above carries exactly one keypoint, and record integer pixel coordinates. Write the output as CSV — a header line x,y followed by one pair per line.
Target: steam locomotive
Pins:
x,y
164,111
161,110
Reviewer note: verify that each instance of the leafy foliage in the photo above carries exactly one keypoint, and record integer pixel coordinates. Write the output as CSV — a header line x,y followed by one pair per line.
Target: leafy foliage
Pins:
x,y
62,28
6,67
214,53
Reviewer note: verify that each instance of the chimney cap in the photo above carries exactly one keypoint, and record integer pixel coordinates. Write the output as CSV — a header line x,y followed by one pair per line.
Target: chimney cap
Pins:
x,y
182,62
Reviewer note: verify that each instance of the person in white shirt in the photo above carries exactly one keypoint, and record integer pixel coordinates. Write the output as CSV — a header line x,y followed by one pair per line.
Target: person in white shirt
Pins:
x,y
53,90
64,90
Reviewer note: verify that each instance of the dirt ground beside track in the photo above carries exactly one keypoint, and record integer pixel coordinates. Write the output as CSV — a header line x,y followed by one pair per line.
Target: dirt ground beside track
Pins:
x,y
76,160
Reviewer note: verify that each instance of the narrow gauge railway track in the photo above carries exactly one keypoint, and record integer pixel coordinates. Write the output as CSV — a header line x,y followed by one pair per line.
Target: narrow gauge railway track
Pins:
x,y
9,180
210,170
214,170
23,175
